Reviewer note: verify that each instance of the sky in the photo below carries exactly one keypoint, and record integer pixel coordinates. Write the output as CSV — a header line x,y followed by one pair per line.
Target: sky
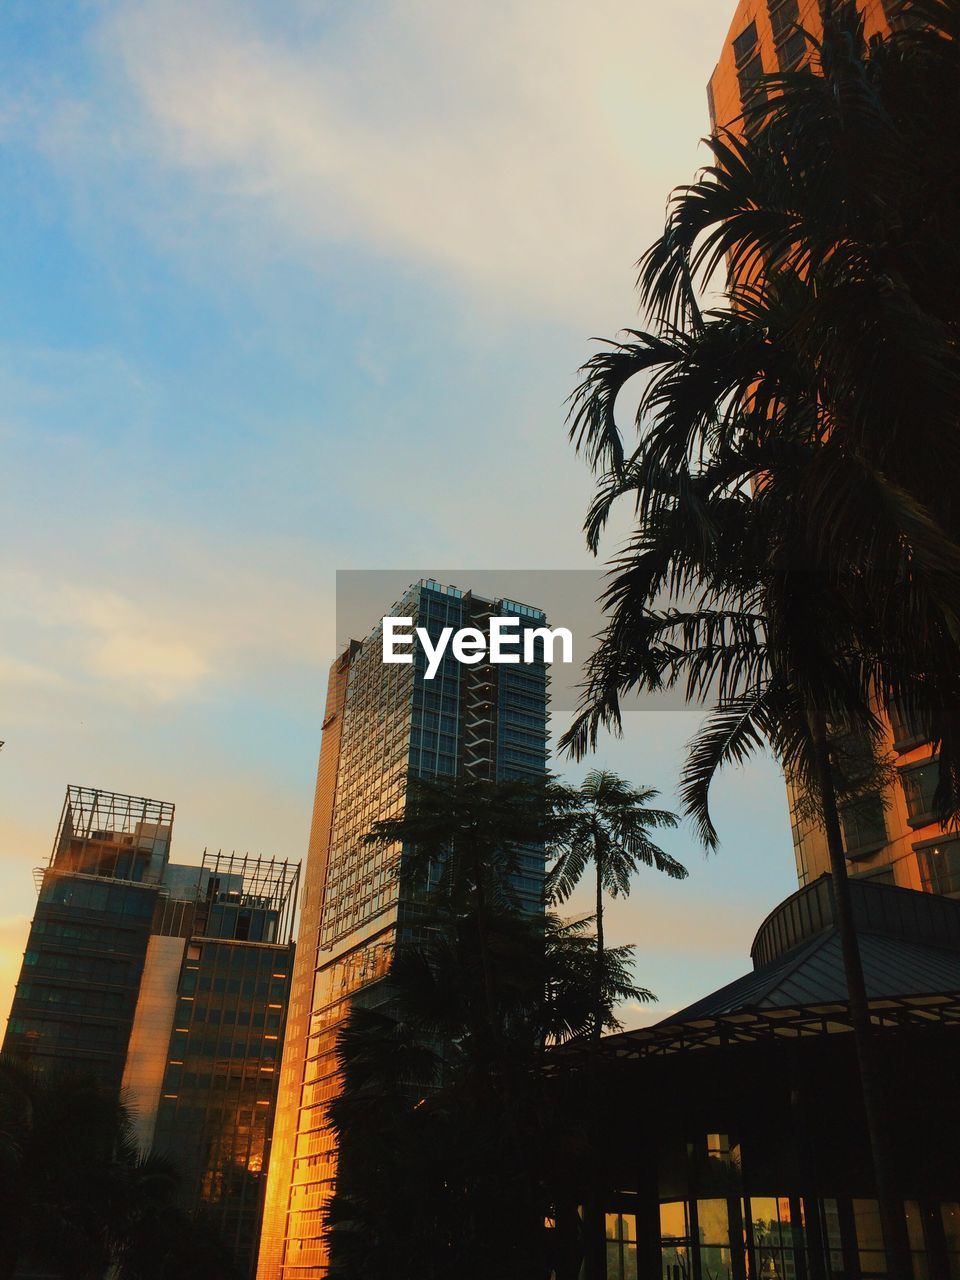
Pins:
x,y
287,288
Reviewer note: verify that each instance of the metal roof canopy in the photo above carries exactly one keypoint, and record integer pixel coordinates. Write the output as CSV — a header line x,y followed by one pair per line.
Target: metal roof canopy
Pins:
x,y
747,1026
909,947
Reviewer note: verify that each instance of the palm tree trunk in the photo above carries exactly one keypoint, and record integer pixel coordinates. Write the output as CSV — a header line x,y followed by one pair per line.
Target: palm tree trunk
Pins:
x,y
530,1214
594,1235
484,954
9,1249
895,1238
598,1009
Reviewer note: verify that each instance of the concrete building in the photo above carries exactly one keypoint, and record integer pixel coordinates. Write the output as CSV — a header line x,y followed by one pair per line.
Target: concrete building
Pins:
x,y
169,982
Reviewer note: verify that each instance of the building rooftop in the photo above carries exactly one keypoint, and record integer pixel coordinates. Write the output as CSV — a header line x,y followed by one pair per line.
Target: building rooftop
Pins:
x,y
909,947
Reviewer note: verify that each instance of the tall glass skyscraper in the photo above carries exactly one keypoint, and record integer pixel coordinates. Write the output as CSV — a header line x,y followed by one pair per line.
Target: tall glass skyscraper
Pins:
x,y
384,724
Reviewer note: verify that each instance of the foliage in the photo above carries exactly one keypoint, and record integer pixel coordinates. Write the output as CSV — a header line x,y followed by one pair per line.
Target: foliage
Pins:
x,y
607,825
796,548
795,564
449,1155
80,1199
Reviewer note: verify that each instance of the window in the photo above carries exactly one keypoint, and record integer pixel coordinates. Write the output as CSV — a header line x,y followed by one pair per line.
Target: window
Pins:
x,y
830,1226
864,828
866,1217
713,1223
784,14
749,79
919,784
774,1235
621,1232
745,44
883,875
950,1218
791,50
718,1148
787,37
940,865
675,1239
909,729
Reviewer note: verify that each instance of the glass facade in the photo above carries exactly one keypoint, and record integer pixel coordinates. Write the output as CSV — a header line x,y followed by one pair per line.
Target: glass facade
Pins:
x,y
75,1001
386,724
793,1237
76,998
218,1085
724,1229
220,1080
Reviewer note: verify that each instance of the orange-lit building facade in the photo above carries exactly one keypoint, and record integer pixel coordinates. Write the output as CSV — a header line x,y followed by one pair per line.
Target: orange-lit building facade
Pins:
x,y
383,725
763,38
297,1183
890,836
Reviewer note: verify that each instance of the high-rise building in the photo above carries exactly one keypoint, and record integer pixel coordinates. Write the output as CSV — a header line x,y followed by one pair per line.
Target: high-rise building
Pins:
x,y
169,982
76,998
383,725
764,38
890,835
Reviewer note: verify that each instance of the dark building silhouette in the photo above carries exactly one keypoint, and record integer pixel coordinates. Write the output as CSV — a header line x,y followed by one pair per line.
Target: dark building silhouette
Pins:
x,y
734,1139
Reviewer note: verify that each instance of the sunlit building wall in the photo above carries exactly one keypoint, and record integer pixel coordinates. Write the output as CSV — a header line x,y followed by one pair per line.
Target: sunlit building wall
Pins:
x,y
764,38
384,724
890,835
280,1197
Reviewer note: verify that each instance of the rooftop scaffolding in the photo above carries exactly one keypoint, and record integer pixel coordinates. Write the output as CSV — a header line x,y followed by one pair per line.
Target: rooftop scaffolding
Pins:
x,y
106,833
254,881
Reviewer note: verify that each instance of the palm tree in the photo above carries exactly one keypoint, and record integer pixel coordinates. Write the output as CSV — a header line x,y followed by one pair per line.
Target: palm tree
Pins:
x,y
607,827
450,1153
787,506
443,1170
462,842
569,1010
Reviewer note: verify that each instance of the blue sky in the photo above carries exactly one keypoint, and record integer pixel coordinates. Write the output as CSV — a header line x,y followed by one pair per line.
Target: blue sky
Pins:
x,y
287,288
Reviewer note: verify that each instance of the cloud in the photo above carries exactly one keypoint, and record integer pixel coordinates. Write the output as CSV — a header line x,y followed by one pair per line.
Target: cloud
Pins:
x,y
16,671
523,150
103,636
